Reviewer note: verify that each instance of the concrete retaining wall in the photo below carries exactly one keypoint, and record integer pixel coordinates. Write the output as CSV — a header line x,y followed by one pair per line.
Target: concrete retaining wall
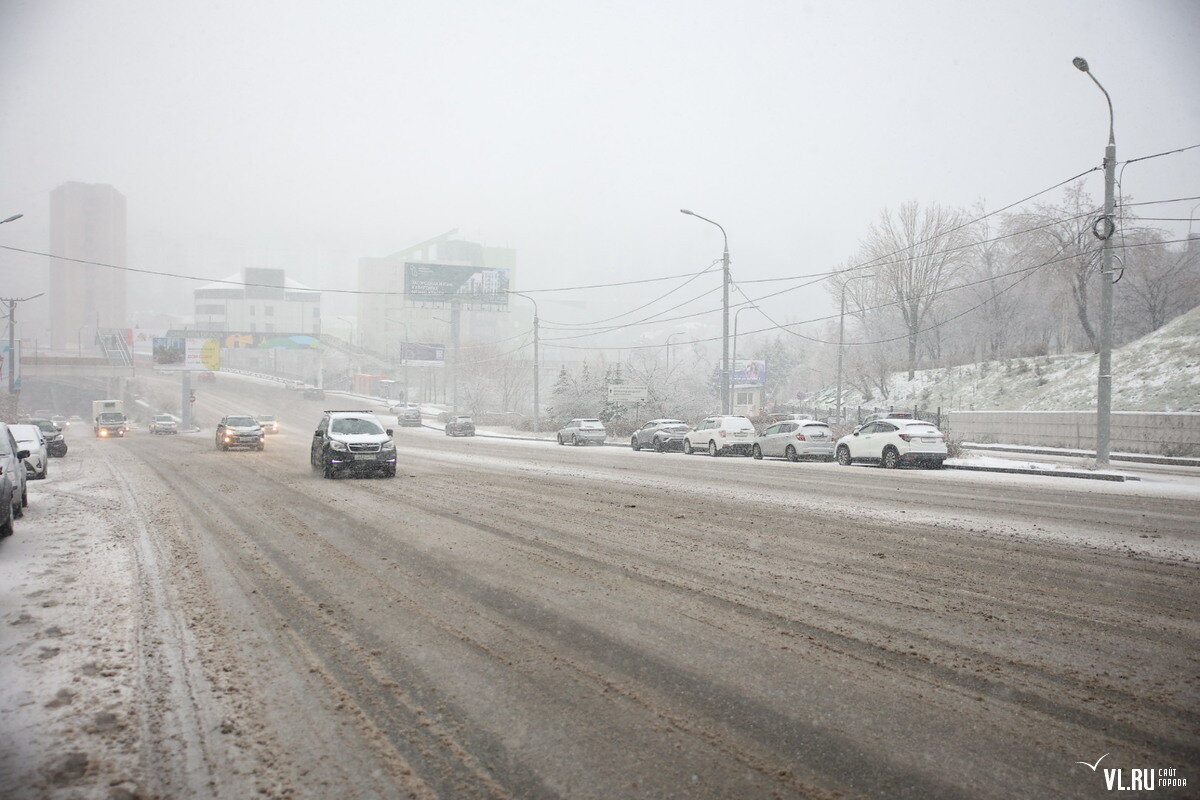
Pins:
x,y
1167,434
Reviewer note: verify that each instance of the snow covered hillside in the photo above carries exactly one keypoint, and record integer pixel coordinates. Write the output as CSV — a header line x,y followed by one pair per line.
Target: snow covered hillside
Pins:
x,y
1158,372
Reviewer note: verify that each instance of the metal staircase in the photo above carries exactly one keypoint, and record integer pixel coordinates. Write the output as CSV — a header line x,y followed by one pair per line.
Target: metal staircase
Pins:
x,y
116,351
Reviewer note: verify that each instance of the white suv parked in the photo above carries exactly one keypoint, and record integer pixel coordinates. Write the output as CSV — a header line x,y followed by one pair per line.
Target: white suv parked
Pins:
x,y
721,434
583,431
893,442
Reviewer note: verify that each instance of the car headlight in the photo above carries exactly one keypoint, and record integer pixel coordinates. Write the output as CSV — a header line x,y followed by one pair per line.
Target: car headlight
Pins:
x,y
388,446
334,444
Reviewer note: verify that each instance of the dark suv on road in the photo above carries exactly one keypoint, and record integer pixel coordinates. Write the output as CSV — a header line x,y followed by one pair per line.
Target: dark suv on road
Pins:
x,y
352,442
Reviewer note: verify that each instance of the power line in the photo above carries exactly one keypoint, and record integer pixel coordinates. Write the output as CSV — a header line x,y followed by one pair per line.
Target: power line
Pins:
x,y
704,271
863,310
1159,155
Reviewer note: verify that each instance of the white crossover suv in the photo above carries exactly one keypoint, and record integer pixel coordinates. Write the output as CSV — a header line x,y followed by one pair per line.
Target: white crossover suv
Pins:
x,y
893,442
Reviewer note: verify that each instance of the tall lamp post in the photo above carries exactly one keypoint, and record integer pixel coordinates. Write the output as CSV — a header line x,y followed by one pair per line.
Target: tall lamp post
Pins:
x,y
13,361
537,367
842,342
1104,228
724,315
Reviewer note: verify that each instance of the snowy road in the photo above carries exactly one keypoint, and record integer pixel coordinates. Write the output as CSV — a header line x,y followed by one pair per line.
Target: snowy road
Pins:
x,y
515,619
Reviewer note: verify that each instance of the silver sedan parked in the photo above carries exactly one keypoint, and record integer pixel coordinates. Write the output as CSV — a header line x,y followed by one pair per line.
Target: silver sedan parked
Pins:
x,y
795,439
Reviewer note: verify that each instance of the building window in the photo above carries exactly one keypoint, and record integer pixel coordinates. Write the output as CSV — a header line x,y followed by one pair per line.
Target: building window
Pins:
x,y
268,311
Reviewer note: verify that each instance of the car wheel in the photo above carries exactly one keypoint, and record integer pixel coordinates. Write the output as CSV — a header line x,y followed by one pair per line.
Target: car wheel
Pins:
x,y
843,456
390,472
658,446
756,451
633,443
712,448
791,454
574,440
559,437
312,462
6,527
687,447
261,447
24,498
936,465
891,458
328,472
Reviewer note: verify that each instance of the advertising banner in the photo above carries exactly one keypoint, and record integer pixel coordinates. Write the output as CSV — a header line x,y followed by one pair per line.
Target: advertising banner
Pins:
x,y
747,372
187,353
258,340
441,283
10,362
422,354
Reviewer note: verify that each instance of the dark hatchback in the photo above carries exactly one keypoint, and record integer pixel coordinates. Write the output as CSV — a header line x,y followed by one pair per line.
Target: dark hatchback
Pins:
x,y
56,444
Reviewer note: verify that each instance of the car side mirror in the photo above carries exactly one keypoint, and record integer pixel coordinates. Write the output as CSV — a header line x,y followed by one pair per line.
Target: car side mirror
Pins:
x,y
856,430
22,454
388,431
316,433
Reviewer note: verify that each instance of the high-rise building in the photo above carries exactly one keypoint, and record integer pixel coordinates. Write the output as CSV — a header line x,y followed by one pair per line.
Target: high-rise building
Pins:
x,y
87,221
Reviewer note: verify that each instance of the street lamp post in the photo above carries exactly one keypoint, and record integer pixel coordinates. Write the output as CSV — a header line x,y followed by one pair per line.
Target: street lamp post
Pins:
x,y
1104,228
842,342
724,313
537,367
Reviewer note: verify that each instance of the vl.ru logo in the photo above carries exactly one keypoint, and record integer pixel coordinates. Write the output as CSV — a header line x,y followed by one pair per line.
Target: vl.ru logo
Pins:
x,y
1144,779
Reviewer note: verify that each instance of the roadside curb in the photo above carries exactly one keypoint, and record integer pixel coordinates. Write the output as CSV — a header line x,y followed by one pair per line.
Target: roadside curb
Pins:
x,y
1131,457
487,435
1050,473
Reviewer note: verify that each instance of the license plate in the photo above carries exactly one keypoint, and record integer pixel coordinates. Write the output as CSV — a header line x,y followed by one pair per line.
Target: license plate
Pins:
x,y
364,456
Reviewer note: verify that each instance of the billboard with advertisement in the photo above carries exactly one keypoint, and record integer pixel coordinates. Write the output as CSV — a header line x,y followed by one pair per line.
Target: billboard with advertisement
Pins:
x,y
191,353
258,340
749,372
441,283
10,362
422,354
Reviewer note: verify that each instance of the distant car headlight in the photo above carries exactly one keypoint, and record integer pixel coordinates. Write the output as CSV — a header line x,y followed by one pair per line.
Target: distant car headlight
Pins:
x,y
334,444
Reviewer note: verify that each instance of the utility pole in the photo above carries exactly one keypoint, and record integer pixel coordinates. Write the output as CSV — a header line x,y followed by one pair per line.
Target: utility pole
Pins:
x,y
1104,228
537,365
13,361
725,405
455,321
842,342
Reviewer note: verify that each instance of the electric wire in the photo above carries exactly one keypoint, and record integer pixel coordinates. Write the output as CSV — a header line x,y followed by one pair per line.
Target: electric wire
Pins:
x,y
702,272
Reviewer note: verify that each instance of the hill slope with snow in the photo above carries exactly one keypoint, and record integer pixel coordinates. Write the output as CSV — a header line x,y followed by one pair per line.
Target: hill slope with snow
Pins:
x,y
1158,372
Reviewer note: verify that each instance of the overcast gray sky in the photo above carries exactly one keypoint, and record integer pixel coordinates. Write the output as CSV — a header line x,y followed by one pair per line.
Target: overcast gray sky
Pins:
x,y
308,134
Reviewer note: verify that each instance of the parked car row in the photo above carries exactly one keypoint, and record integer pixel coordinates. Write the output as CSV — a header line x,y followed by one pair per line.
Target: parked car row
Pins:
x,y
890,439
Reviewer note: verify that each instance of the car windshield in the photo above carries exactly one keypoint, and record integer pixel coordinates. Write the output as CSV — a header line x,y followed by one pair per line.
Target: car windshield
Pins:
x,y
47,426
590,424
24,433
267,418
923,430
240,422
111,416
162,418
462,419
355,425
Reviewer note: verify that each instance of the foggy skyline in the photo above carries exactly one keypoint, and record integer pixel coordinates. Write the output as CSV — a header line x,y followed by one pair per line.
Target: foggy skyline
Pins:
x,y
306,137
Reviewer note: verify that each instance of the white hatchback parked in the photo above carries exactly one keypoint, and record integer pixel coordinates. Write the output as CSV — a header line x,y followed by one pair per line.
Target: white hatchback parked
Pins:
x,y
796,439
721,434
893,442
